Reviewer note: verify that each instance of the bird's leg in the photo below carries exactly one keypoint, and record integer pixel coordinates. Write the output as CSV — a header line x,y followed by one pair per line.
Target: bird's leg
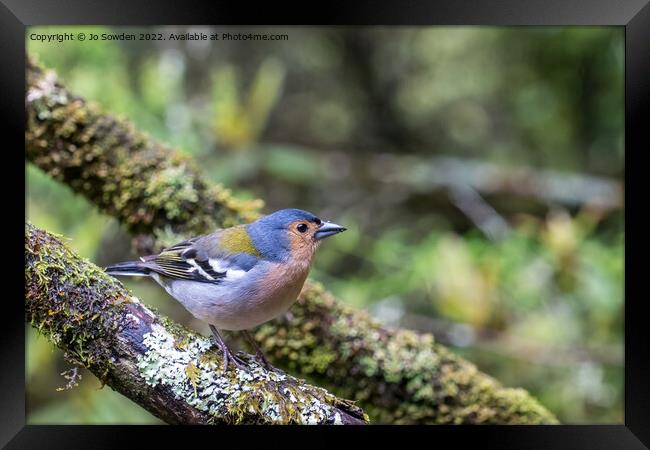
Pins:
x,y
227,354
258,350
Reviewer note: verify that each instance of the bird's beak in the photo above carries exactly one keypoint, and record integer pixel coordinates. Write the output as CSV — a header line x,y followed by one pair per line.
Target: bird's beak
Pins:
x,y
328,229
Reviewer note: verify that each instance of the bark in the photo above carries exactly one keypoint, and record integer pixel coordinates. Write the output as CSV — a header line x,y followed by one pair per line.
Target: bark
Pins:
x,y
172,372
398,376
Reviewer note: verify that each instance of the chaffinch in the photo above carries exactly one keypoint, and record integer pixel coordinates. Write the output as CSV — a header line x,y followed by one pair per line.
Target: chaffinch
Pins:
x,y
240,277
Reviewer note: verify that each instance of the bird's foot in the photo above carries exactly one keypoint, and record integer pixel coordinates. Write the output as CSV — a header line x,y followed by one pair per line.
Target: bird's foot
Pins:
x,y
261,359
237,361
227,354
259,355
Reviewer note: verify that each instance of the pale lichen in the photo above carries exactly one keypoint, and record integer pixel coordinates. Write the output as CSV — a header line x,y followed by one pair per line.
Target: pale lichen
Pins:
x,y
234,396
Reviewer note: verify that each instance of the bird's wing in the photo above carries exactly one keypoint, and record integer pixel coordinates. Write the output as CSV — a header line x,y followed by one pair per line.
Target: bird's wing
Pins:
x,y
202,259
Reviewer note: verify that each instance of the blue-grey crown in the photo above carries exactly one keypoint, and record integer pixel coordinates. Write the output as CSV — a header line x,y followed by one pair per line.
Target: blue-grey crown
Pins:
x,y
284,217
269,232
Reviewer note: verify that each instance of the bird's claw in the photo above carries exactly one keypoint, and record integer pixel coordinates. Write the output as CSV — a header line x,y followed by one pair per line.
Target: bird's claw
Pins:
x,y
241,364
266,364
229,356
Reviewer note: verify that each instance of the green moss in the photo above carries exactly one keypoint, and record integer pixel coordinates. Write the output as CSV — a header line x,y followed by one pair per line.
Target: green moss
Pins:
x,y
170,189
144,184
397,376
71,315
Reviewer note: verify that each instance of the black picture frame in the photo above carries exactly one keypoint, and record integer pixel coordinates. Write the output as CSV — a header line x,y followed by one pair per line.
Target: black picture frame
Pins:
x,y
633,15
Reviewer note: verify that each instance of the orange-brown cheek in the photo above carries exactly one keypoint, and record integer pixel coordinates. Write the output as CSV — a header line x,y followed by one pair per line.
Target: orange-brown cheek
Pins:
x,y
302,246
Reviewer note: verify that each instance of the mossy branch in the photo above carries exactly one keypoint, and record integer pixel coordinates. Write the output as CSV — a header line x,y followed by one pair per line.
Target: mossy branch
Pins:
x,y
172,372
397,375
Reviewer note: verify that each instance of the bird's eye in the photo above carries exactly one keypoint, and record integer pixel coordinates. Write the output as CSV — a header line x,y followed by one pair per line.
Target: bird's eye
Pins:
x,y
302,227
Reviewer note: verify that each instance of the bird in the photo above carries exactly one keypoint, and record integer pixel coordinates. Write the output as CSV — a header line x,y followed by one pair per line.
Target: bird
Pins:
x,y
240,277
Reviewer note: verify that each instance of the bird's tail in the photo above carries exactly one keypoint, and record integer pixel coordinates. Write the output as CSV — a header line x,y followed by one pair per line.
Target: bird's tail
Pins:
x,y
129,269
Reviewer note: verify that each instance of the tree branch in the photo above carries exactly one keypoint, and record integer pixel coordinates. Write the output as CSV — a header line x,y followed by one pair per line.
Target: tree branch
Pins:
x,y
398,375
543,186
172,372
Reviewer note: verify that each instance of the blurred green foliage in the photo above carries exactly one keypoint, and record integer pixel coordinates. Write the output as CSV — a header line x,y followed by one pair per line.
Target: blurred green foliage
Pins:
x,y
301,123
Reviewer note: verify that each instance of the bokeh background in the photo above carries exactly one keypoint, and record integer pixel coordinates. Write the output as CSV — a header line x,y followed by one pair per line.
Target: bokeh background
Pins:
x,y
479,171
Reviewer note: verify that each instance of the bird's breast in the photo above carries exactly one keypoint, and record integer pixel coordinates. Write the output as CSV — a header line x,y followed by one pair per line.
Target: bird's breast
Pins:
x,y
265,297
280,287
264,293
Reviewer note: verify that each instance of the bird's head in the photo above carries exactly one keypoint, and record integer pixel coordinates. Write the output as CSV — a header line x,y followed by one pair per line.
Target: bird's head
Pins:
x,y
290,233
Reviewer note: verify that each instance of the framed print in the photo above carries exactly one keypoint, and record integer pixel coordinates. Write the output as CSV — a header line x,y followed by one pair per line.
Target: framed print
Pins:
x,y
416,217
